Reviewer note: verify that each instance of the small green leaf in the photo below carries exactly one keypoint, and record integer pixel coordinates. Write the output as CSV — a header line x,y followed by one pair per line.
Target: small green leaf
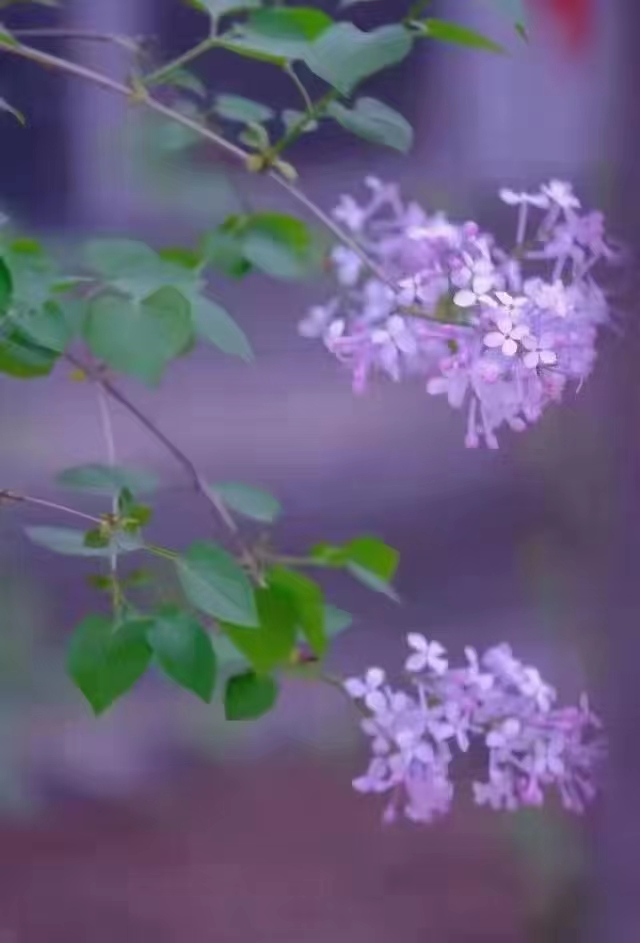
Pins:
x,y
139,338
184,80
328,555
244,110
184,651
344,55
218,8
115,258
20,357
6,286
107,479
49,325
71,542
278,35
214,325
336,620
213,582
281,246
272,644
374,121
96,539
249,696
446,32
374,555
308,601
8,108
105,660
6,39
223,248
249,501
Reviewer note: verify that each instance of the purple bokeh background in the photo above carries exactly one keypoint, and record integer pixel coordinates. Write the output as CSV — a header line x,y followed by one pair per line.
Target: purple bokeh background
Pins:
x,y
159,822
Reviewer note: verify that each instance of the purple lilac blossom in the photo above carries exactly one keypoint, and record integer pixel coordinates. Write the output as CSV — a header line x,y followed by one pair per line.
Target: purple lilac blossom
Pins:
x,y
531,745
500,334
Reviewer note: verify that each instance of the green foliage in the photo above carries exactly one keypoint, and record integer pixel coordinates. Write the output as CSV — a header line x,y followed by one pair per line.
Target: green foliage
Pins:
x,y
214,583
278,35
249,501
183,650
216,326
336,621
21,358
243,110
139,338
308,603
223,249
106,479
272,644
71,542
249,696
368,559
374,121
344,55
218,8
281,246
446,32
106,658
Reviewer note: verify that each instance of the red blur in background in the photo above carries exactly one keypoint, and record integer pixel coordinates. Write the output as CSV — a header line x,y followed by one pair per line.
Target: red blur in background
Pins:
x,y
575,19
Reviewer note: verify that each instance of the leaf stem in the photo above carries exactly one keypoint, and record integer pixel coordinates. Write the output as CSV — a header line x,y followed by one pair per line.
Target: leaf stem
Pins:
x,y
6,495
110,442
157,77
295,78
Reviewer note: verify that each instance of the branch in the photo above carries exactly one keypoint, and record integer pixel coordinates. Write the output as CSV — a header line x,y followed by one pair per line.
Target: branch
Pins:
x,y
13,496
82,34
198,480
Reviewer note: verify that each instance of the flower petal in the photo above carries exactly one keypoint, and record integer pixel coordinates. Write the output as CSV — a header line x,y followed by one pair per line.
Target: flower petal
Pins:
x,y
510,347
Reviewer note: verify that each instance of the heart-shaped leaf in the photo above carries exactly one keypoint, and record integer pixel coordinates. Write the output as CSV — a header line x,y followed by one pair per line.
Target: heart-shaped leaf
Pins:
x,y
374,121
184,650
344,55
249,696
214,583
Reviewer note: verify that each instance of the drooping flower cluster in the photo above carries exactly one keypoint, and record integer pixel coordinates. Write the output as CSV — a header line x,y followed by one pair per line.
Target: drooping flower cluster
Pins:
x,y
499,333
494,701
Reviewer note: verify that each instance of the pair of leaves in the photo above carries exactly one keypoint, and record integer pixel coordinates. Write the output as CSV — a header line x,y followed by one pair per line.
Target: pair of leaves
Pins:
x,y
107,658
368,559
164,307
277,244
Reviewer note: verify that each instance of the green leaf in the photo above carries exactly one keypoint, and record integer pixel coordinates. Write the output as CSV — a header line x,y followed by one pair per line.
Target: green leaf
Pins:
x,y
6,39
115,258
139,338
214,325
218,8
184,651
272,644
374,121
49,325
105,661
249,501
336,620
278,35
8,108
374,555
213,582
107,479
447,32
249,696
223,248
184,80
344,55
309,604
244,110
6,286
281,246
71,542
20,357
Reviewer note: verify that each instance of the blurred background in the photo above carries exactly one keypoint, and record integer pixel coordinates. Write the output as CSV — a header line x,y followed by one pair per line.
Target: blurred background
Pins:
x,y
160,822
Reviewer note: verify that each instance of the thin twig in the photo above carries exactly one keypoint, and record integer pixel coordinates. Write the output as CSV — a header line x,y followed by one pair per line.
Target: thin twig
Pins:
x,y
82,34
6,495
291,72
156,78
198,481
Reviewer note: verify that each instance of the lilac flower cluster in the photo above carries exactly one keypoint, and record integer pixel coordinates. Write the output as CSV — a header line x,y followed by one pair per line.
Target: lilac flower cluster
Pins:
x,y
499,333
495,701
